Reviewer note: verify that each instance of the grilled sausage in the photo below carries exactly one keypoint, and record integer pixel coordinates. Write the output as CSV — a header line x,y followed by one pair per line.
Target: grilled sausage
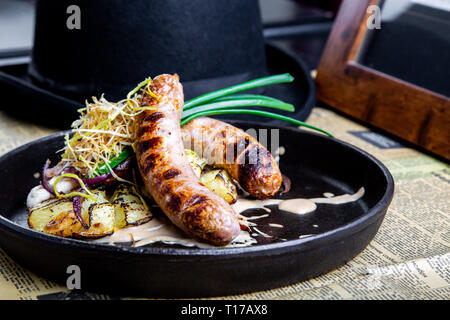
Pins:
x,y
242,156
167,174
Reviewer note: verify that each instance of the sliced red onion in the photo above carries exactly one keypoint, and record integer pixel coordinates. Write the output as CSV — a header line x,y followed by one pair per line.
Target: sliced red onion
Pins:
x,y
119,170
48,173
55,171
77,209
97,179
69,169
45,182
286,184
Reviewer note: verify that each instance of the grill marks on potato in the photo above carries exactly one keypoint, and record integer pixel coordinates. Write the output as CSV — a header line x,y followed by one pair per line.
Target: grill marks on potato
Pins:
x,y
54,217
65,224
101,222
130,208
57,217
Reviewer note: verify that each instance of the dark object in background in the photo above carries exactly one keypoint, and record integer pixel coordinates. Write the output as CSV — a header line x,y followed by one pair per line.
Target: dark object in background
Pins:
x,y
210,44
337,232
297,28
292,13
347,81
120,43
16,24
328,5
418,38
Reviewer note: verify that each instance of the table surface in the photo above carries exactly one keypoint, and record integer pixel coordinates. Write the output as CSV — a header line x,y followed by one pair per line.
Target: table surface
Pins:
x,y
408,258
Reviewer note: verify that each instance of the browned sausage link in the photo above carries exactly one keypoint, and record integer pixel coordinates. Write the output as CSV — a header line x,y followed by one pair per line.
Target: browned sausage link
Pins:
x,y
251,163
169,177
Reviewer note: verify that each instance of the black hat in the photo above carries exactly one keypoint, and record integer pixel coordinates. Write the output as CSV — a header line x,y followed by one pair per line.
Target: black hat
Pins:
x,y
84,48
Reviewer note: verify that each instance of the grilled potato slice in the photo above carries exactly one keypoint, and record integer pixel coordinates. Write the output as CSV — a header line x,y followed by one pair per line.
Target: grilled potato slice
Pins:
x,y
55,216
63,225
219,181
101,219
195,161
130,208
87,203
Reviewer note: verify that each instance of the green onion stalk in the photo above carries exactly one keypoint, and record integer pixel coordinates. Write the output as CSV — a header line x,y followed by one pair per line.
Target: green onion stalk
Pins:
x,y
227,101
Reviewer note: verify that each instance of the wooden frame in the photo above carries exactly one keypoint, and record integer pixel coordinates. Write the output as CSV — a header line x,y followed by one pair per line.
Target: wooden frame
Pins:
x,y
403,109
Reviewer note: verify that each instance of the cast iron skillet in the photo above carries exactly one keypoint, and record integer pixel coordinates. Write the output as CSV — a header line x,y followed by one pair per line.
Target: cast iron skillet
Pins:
x,y
315,164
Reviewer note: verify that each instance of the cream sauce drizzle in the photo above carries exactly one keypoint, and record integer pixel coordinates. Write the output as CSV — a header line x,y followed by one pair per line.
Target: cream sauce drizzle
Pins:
x,y
160,230
275,225
297,205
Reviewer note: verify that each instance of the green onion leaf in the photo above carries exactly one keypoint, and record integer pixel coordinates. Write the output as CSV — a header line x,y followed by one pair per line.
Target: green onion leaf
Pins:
x,y
251,112
113,162
281,78
245,96
268,103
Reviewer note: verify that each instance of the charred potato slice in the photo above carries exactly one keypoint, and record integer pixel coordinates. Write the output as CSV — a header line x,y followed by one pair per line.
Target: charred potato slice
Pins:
x,y
219,181
87,203
63,225
53,216
57,217
101,221
195,161
130,208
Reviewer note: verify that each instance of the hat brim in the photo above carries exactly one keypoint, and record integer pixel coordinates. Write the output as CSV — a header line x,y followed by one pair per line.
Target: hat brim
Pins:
x,y
27,100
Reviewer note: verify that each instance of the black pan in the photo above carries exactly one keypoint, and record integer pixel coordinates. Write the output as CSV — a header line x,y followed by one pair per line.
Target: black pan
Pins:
x,y
315,164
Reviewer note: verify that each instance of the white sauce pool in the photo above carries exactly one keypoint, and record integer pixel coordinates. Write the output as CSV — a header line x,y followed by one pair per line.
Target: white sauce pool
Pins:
x,y
38,194
162,230
297,205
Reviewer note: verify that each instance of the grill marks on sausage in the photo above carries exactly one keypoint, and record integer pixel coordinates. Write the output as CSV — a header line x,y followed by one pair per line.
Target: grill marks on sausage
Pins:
x,y
142,130
149,123
250,169
150,161
195,213
174,203
143,146
196,199
183,202
240,147
152,117
148,100
171,173
182,197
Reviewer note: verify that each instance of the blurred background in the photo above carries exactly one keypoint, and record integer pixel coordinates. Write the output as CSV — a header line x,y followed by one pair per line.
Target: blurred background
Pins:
x,y
299,26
